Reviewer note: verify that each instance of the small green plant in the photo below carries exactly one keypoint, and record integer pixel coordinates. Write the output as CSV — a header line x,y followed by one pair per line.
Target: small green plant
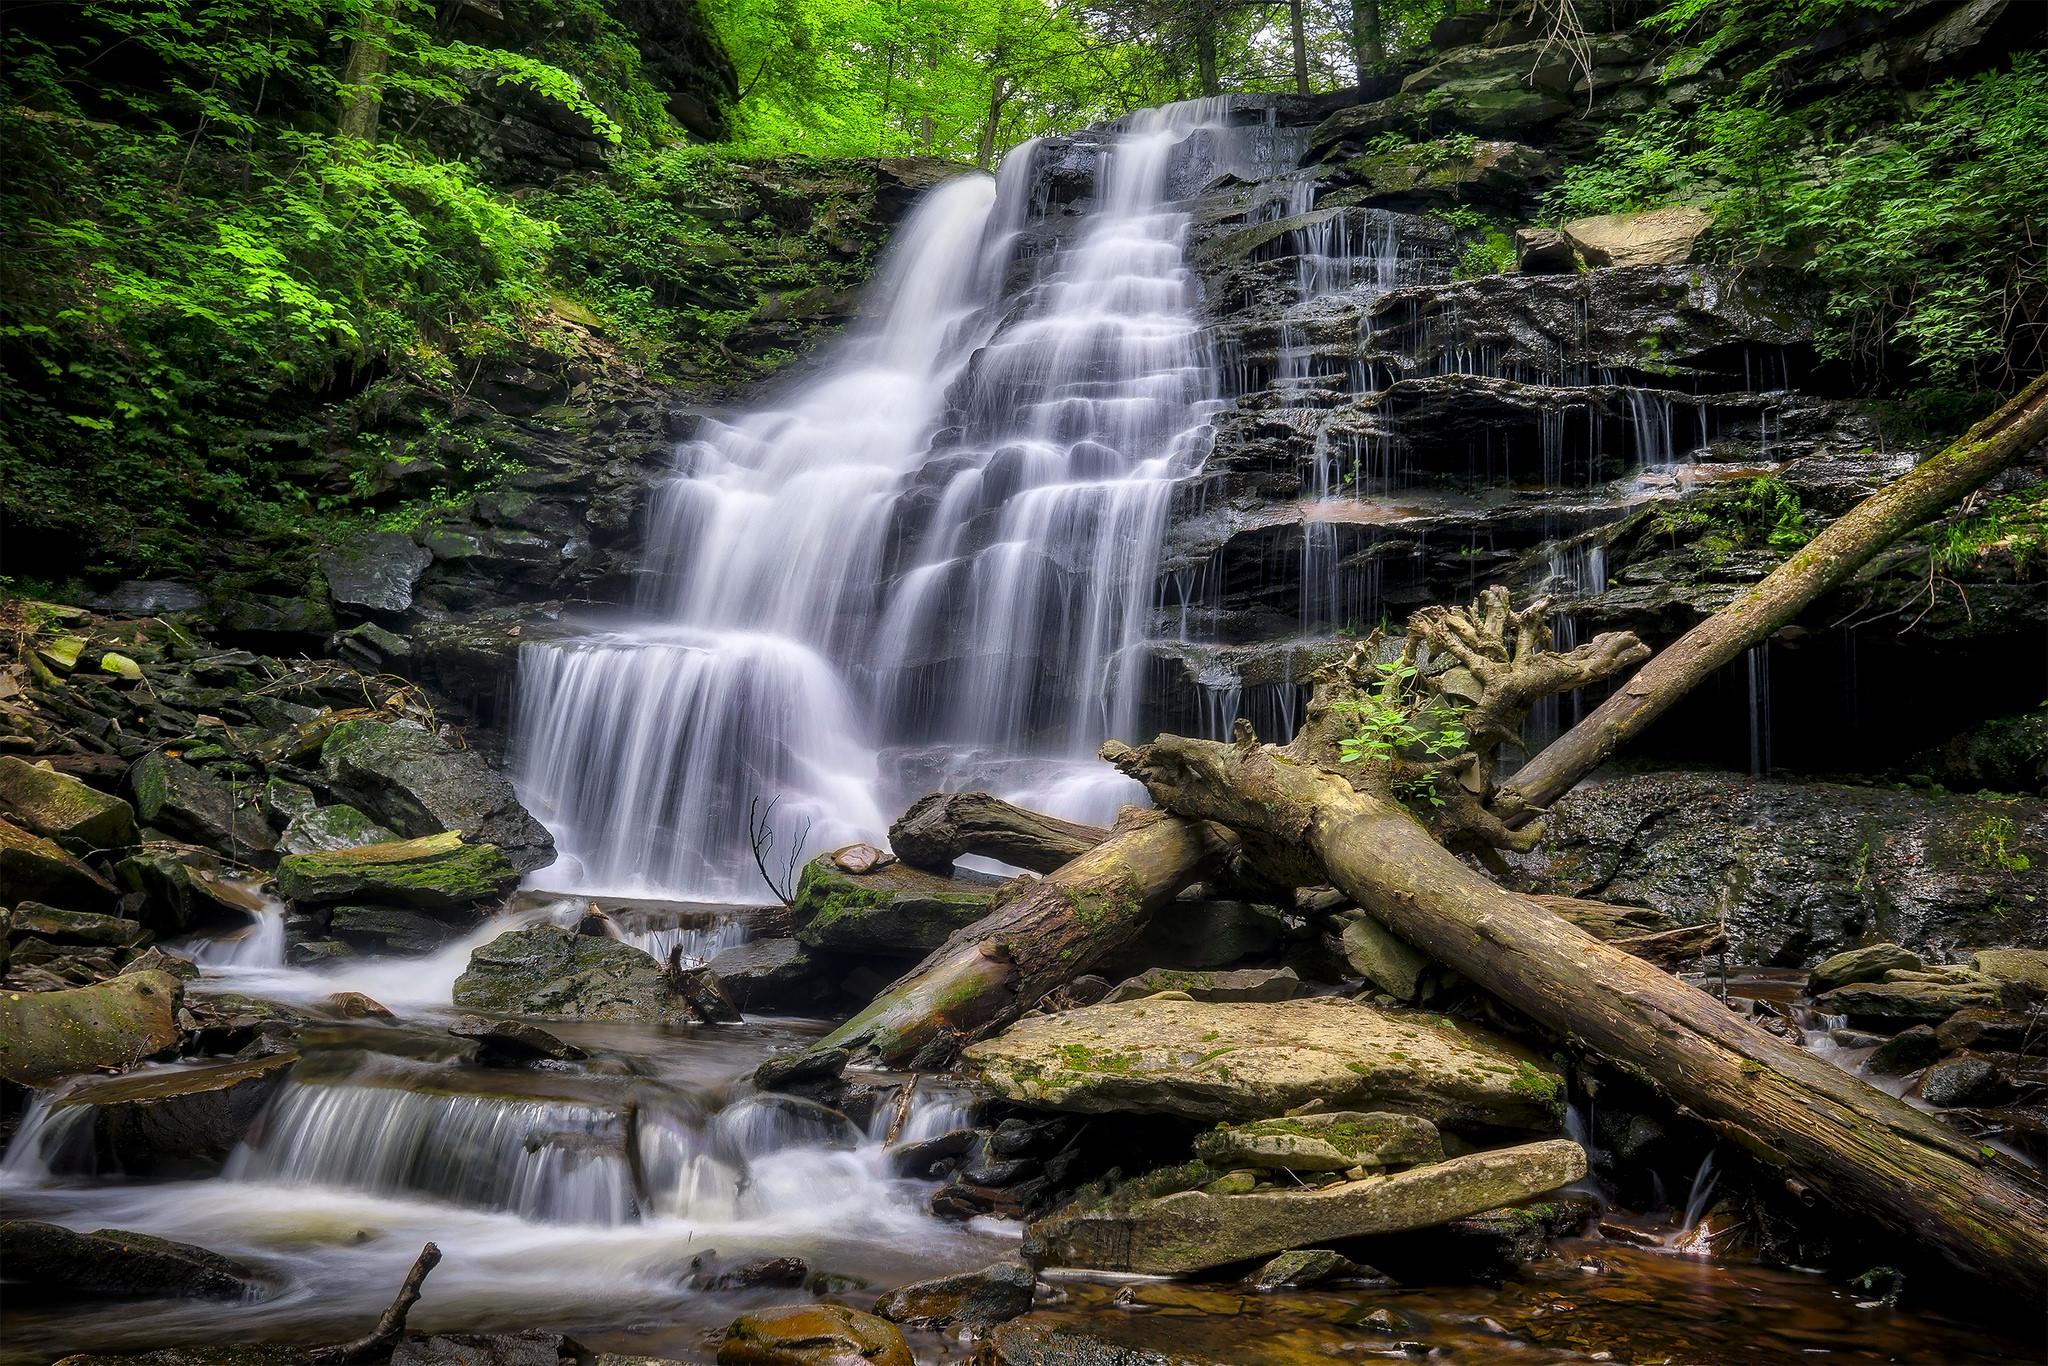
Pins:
x,y
1994,841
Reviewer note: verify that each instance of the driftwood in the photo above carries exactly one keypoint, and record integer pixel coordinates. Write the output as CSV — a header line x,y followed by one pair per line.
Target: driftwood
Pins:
x,y
940,828
1305,816
1053,930
391,1327
1824,563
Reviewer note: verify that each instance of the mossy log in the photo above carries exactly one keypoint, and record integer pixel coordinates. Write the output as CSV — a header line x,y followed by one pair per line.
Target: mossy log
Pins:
x,y
1868,1152
1052,931
940,828
1823,564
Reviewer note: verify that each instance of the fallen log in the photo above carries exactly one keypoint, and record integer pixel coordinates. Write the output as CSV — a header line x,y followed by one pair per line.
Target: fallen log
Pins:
x,y
940,828
1671,949
994,970
1868,1152
1824,563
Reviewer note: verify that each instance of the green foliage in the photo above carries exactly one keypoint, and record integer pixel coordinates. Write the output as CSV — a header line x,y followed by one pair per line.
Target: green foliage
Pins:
x,y
1490,253
2010,531
1391,723
1756,514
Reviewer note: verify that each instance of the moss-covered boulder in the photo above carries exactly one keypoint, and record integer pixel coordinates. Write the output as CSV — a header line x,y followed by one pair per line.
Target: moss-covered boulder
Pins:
x,y
32,919
434,871
35,869
59,807
47,1260
418,784
813,1335
49,1034
1235,1061
1329,1141
551,971
184,886
891,910
189,802
332,827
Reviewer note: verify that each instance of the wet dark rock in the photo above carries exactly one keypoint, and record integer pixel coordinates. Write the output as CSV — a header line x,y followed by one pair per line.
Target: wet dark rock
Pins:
x,y
926,1158
892,910
1029,1342
61,808
176,1124
769,1271
394,930
549,971
801,1071
812,1335
434,871
1245,984
1867,964
1905,1051
531,1348
1899,1004
36,869
1797,871
49,1034
704,996
417,783
332,827
961,1201
183,887
975,1300
763,974
375,572
1200,935
1966,1079
190,802
1302,1267
33,919
514,1041
48,1260
2003,1031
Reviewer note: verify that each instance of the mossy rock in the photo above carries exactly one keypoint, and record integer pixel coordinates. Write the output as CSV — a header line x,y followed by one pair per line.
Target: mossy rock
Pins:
x,y
35,869
332,827
433,871
554,972
1333,1141
894,910
50,1034
48,1260
813,1335
59,807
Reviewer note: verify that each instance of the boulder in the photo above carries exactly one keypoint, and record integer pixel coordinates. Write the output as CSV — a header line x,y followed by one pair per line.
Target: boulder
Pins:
x,y
1384,959
418,784
1895,1005
813,1335
2002,1031
46,1035
332,827
1649,237
975,1300
1193,1230
534,1347
184,886
765,973
354,1005
549,970
433,871
892,910
1443,174
53,1262
191,803
32,918
390,930
1245,1060
59,807
1245,984
375,572
1867,964
1331,1141
514,1041
1308,1266
1038,1341
1966,1079
1908,1051
2027,968
181,1123
35,869
1197,935
1543,251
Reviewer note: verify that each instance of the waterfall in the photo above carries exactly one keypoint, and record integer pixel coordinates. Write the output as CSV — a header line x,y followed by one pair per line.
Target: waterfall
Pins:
x,y
946,541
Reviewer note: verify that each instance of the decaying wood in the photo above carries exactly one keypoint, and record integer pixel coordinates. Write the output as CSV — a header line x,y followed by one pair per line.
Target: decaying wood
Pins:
x,y
1823,564
1604,920
391,1327
940,828
1673,949
994,970
1871,1153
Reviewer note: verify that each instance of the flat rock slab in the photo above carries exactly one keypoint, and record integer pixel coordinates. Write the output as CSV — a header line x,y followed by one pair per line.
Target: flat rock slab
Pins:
x,y
891,910
1235,1061
57,806
45,1035
178,1123
1245,984
1194,1230
550,971
1330,1142
36,869
813,1335
434,871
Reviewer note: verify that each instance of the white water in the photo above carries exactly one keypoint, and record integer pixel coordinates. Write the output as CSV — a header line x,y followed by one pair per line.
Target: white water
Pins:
x,y
945,541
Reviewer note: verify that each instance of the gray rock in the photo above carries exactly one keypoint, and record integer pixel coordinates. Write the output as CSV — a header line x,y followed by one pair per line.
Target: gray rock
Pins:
x,y
190,802
765,973
73,927
418,784
1245,984
59,807
1383,958
1966,1079
48,1034
515,1040
550,971
182,1123
1331,1141
2004,1031
891,910
394,930
1897,1005
376,572
184,886
151,597
1307,1266
332,827
530,1348
1907,1051
111,1264
975,1300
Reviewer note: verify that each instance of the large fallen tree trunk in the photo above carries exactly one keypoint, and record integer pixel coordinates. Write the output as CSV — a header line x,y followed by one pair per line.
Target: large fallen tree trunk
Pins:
x,y
940,828
1823,564
994,970
1867,1151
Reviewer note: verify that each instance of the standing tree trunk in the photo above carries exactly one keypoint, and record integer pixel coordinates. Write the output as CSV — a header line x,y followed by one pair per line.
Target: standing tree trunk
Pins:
x,y
998,95
1205,54
369,58
1300,47
1367,49
1870,1153
1044,936
1824,563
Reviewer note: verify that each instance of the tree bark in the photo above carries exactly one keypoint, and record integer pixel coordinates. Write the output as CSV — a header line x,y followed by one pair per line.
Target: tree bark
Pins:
x,y
369,58
1205,54
994,970
1823,564
1367,49
941,827
1300,37
1868,1152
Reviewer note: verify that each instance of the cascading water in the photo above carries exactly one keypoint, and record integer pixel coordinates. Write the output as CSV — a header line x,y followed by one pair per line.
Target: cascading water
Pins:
x,y
947,540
